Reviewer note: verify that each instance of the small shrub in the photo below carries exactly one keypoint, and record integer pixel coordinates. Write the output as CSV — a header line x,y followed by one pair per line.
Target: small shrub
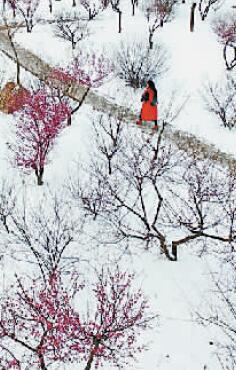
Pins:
x,y
220,99
136,63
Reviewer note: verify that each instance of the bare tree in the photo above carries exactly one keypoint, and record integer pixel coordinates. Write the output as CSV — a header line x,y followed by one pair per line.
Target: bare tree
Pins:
x,y
27,10
221,315
7,202
220,99
192,16
157,12
94,7
47,230
10,34
152,190
134,4
204,7
11,4
115,4
4,5
135,64
50,5
108,138
73,30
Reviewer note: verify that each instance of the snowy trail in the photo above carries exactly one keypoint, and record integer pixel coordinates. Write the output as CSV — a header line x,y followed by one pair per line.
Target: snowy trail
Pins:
x,y
42,70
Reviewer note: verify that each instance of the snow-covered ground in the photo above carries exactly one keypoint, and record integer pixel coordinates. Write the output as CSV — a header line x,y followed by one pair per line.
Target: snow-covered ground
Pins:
x,y
176,290
194,59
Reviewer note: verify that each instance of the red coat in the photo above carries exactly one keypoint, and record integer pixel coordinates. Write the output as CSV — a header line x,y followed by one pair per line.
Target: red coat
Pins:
x,y
149,112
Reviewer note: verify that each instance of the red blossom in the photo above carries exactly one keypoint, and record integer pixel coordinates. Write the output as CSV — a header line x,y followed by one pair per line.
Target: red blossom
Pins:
x,y
120,316
90,69
41,315
37,126
225,29
43,318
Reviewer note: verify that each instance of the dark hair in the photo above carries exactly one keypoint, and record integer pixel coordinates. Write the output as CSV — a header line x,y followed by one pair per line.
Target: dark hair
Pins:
x,y
153,87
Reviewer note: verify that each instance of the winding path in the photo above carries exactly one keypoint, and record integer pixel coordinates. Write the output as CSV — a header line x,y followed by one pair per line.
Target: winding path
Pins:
x,y
42,70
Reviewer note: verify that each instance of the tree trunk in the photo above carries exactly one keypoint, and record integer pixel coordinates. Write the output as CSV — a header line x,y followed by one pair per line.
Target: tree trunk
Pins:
x,y
165,250
42,363
133,8
229,64
120,13
29,25
174,251
78,107
10,37
193,7
109,165
92,352
4,221
39,175
17,72
74,3
89,363
73,43
150,40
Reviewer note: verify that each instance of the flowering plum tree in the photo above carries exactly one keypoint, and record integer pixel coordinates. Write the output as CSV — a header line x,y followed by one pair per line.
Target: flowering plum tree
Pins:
x,y
225,29
38,125
7,360
40,326
87,69
39,323
119,318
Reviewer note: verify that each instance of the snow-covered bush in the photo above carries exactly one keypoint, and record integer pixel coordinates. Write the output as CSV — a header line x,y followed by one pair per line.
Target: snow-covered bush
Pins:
x,y
136,63
220,99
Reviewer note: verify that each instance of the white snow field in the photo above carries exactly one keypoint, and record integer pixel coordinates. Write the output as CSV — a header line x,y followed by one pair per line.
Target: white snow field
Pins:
x,y
177,290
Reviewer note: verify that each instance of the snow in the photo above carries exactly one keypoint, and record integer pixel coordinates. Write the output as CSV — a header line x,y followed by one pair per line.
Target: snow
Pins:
x,y
176,290
194,59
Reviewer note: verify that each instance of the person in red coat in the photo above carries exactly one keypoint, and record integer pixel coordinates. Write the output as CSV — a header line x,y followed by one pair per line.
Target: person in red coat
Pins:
x,y
149,111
